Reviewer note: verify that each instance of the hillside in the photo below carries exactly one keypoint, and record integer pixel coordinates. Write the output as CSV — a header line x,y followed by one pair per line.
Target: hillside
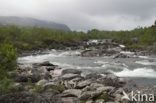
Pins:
x,y
31,22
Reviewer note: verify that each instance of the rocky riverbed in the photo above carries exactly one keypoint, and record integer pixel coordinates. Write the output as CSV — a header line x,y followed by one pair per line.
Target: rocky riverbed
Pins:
x,y
40,84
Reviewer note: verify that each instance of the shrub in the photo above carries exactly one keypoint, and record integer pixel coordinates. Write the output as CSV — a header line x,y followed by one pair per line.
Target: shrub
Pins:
x,y
8,56
7,86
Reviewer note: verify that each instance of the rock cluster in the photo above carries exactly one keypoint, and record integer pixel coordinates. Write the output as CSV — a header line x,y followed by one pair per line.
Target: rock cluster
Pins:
x,y
71,86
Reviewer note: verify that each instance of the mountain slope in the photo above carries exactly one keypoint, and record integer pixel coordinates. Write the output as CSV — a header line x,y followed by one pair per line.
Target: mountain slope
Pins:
x,y
31,22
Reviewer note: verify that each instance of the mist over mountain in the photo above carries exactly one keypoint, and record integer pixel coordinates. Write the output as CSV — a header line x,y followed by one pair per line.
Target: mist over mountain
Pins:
x,y
31,22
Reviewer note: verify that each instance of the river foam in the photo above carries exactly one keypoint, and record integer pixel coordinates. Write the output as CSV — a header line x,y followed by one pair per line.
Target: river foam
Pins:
x,y
138,72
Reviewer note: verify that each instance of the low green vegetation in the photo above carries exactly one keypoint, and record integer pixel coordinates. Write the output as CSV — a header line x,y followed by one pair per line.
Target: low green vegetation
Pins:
x,y
7,86
103,96
8,56
37,88
36,38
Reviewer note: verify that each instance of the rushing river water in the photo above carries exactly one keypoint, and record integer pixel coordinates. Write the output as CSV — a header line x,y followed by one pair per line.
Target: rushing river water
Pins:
x,y
141,69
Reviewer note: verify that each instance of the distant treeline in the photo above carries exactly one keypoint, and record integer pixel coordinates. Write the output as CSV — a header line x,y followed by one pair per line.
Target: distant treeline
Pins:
x,y
30,38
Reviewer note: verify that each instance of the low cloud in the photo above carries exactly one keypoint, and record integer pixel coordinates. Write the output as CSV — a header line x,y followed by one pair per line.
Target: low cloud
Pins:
x,y
85,14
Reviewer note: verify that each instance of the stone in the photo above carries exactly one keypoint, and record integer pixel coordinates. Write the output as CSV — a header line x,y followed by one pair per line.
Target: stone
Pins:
x,y
35,77
105,88
89,101
110,80
96,85
92,76
100,101
71,71
90,95
71,93
83,84
70,100
121,56
122,81
69,76
21,78
42,82
46,63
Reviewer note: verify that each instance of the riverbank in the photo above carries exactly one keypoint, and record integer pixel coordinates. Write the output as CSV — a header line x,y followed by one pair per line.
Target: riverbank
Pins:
x,y
48,83
43,83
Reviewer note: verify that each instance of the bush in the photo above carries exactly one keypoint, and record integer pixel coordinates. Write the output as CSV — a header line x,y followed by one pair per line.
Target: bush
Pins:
x,y
7,86
8,57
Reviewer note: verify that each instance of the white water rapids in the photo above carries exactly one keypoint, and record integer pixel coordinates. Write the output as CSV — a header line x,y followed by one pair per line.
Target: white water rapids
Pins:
x,y
136,67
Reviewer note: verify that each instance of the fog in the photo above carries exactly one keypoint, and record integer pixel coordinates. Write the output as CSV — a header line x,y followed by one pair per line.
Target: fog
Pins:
x,y
85,14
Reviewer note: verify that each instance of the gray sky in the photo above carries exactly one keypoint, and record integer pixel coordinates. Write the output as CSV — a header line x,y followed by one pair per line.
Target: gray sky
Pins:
x,y
85,14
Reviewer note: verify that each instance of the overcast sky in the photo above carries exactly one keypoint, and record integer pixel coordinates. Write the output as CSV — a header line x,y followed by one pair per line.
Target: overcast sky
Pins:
x,y
85,14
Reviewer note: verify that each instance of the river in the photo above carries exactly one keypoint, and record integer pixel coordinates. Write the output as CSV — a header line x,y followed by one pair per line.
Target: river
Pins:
x,y
140,69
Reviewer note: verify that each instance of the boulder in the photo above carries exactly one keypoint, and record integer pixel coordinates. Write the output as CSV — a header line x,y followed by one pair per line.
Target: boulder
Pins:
x,y
105,89
110,80
90,95
121,56
96,85
71,93
70,100
90,101
94,53
100,101
92,76
46,63
69,76
42,82
71,71
21,78
91,53
83,84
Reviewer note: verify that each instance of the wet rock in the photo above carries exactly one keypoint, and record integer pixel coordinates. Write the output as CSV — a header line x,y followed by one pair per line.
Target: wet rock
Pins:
x,y
122,81
121,56
94,53
46,63
71,71
91,53
69,76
